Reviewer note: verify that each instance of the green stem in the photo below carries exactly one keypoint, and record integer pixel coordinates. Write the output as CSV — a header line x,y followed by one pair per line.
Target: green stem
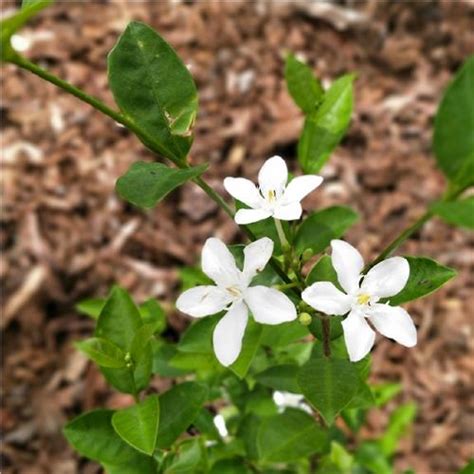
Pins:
x,y
281,234
287,286
326,336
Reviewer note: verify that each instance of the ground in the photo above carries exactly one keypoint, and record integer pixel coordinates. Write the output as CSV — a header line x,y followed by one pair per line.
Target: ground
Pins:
x,y
65,235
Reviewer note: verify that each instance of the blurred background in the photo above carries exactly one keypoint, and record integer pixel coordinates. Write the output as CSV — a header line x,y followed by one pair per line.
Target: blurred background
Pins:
x,y
66,236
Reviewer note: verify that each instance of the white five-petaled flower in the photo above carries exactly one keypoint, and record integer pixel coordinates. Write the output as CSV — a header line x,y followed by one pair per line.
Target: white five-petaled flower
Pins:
x,y
234,294
273,197
385,279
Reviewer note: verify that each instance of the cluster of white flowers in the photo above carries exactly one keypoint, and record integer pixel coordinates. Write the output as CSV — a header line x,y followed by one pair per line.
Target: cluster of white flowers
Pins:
x,y
234,294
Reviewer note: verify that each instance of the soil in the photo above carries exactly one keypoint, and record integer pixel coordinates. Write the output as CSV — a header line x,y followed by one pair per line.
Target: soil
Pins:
x,y
65,235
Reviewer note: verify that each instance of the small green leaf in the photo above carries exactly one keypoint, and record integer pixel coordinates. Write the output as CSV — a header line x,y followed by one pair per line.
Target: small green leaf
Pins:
x,y
453,139
138,424
189,457
152,313
163,353
193,276
426,276
323,271
325,127
250,344
102,352
198,336
91,307
328,384
154,89
280,335
290,436
303,86
179,407
400,420
280,377
231,466
146,184
317,231
459,213
383,393
370,456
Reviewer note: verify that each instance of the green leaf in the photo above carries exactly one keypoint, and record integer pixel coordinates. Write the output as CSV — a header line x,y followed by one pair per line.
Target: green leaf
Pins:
x,y
453,139
250,344
230,466
163,353
337,461
151,312
290,436
325,127
426,276
93,436
468,468
370,456
198,336
179,407
146,184
13,23
328,384
459,213
400,420
317,231
102,352
154,89
323,271
280,377
190,457
383,393
280,335
204,422
193,276
303,86
138,424
91,307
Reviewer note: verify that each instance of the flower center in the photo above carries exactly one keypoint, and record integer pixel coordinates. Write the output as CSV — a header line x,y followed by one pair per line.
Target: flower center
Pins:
x,y
363,299
271,195
234,291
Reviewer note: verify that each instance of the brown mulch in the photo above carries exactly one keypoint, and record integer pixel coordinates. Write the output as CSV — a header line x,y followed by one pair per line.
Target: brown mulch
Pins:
x,y
65,235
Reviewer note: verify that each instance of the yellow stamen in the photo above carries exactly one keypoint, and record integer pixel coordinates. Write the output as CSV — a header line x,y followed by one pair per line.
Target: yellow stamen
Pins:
x,y
233,291
271,195
363,298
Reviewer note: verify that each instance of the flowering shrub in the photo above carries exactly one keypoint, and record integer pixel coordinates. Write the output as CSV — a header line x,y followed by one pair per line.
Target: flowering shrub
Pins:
x,y
276,354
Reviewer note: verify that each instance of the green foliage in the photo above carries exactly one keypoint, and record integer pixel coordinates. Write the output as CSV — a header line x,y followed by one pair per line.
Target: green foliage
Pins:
x,y
322,271
189,457
317,231
328,384
290,436
453,139
303,86
468,468
426,276
146,184
280,377
138,424
154,89
460,213
103,352
400,420
325,127
250,344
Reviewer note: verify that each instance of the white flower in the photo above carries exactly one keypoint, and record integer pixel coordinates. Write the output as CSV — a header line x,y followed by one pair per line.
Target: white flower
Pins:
x,y
290,400
385,279
273,197
233,294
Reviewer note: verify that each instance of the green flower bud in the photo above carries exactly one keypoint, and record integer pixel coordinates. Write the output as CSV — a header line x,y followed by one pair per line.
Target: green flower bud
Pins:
x,y
305,319
307,254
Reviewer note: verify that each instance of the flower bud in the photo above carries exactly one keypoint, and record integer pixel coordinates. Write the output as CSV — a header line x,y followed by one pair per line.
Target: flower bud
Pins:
x,y
307,254
305,319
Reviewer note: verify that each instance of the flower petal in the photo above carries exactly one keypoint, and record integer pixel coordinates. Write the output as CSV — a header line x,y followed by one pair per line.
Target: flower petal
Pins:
x,y
273,176
219,264
202,301
249,216
229,332
288,212
269,306
324,296
387,278
394,322
243,190
348,263
358,336
256,256
301,186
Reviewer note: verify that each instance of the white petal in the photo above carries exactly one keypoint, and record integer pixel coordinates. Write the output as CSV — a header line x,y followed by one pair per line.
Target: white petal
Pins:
x,y
228,334
288,212
387,278
269,306
348,263
325,297
394,322
249,216
273,176
358,336
203,300
301,186
243,190
219,264
256,256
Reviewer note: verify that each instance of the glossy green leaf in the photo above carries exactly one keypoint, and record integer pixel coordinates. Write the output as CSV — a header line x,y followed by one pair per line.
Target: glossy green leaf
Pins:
x,y
91,307
151,312
146,184
102,352
337,461
318,229
153,88
189,457
303,86
250,344
383,393
280,335
328,384
136,465
426,276
325,127
460,213
248,432
179,407
193,276
400,421
198,336
230,466
280,377
163,353
290,436
204,422
453,139
323,271
138,424
370,456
